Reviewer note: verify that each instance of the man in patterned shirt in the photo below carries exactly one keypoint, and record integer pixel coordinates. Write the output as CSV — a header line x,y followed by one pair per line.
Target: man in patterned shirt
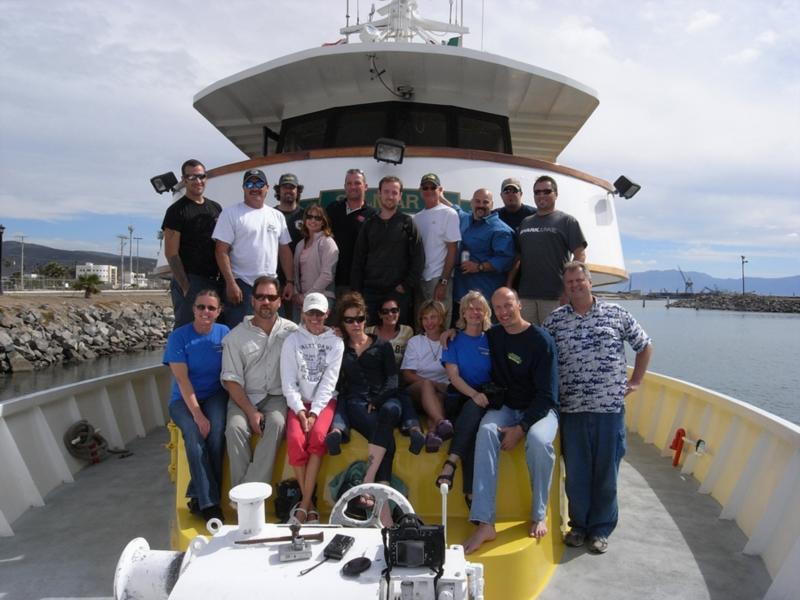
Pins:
x,y
590,337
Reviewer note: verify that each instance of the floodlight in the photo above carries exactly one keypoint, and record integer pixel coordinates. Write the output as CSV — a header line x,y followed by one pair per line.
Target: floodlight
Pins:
x,y
165,182
389,151
625,187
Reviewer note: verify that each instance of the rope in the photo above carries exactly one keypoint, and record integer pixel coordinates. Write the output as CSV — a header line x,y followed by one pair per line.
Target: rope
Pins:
x,y
84,442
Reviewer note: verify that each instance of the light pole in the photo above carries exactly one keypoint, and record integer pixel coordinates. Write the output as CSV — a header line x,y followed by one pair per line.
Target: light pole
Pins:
x,y
744,260
21,239
130,253
2,231
137,253
122,239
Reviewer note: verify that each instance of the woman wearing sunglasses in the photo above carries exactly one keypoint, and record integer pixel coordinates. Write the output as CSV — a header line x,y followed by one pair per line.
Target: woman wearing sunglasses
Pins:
x,y
315,258
368,393
198,403
310,361
390,329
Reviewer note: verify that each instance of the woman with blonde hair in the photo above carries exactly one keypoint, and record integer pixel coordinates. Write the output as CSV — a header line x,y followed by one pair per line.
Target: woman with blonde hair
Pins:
x,y
468,365
425,375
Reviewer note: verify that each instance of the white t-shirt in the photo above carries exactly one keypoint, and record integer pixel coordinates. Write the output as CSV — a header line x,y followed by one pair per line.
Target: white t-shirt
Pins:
x,y
424,356
254,235
437,226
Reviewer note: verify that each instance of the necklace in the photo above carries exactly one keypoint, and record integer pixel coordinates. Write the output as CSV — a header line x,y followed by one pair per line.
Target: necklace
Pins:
x,y
436,351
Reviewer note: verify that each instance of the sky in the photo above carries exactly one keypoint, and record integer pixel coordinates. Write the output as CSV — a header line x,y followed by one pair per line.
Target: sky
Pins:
x,y
698,104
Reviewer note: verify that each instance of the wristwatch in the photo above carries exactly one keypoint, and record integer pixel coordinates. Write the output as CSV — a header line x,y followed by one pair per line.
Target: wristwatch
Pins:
x,y
443,280
480,267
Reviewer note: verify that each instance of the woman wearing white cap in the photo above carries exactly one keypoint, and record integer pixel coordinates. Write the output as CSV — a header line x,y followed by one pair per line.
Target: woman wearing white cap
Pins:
x,y
310,361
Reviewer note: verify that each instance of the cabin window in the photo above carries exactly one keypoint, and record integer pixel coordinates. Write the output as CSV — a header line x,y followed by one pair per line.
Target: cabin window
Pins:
x,y
358,127
414,123
305,134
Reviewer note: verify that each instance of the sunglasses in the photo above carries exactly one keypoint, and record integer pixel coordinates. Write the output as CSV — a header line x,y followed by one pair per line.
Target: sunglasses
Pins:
x,y
546,192
314,217
428,188
351,320
510,190
208,307
269,297
249,185
195,177
385,311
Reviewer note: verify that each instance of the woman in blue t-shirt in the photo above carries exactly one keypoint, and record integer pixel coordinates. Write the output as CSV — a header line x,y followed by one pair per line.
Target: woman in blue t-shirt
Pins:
x,y
198,404
468,365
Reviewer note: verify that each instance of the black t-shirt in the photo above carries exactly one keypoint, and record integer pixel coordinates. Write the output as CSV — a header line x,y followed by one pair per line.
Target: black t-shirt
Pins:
x,y
195,222
294,221
513,219
345,231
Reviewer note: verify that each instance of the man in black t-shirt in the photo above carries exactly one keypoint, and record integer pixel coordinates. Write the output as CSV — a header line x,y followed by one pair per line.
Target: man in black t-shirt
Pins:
x,y
288,191
513,210
188,247
346,217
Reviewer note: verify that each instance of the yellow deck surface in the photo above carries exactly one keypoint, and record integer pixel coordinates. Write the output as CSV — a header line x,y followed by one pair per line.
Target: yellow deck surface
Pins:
x,y
516,567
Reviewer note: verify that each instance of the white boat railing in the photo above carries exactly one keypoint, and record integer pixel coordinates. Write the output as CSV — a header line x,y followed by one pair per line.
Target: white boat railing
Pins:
x,y
748,460
35,460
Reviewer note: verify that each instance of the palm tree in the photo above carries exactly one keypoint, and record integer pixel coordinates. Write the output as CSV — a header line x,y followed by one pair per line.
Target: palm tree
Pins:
x,y
90,284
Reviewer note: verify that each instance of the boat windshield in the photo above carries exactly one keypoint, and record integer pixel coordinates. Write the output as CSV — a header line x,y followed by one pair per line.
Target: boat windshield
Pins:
x,y
415,124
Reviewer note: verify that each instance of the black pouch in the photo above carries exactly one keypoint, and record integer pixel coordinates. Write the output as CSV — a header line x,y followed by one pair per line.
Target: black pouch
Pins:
x,y
496,394
288,495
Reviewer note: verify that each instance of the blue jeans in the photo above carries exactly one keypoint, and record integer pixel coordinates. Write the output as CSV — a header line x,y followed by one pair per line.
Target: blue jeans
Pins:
x,y
203,455
539,455
376,426
233,314
408,417
593,445
182,305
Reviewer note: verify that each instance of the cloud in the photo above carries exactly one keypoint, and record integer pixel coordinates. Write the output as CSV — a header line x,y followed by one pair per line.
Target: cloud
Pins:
x,y
702,20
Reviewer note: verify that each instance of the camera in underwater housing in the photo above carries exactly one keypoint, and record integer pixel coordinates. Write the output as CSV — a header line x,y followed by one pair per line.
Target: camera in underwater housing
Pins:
x,y
411,543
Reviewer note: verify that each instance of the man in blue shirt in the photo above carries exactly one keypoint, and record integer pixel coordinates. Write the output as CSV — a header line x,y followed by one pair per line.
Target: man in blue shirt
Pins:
x,y
590,337
486,252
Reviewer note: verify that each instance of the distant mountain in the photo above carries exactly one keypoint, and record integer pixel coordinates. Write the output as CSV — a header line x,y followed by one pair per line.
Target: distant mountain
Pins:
x,y
36,255
671,281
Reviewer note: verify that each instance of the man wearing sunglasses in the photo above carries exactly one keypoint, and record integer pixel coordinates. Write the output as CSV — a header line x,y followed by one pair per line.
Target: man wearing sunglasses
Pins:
x,y
251,360
188,247
251,237
547,241
439,227
513,211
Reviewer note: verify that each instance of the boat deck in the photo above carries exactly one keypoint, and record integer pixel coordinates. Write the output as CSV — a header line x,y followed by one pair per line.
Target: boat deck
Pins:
x,y
669,542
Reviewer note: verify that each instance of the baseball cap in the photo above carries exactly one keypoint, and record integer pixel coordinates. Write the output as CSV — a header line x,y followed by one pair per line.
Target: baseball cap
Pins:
x,y
288,179
511,182
430,177
254,173
315,301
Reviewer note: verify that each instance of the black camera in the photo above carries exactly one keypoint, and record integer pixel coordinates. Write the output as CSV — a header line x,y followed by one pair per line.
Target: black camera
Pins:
x,y
495,394
411,543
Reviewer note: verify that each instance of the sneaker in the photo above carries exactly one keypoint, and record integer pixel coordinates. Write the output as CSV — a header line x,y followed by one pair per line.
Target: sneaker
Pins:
x,y
333,442
417,441
194,506
598,545
574,538
213,512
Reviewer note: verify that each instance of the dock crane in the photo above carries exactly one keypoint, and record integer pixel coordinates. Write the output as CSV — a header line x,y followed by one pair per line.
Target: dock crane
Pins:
x,y
688,284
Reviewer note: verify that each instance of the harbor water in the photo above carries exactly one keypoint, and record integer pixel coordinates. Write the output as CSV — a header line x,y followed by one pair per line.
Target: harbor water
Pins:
x,y
749,356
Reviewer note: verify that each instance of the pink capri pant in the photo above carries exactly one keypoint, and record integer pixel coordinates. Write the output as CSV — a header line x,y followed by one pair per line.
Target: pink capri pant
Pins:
x,y
299,445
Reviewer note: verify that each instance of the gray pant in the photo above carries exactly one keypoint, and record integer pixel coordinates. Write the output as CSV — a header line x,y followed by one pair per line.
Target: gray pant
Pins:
x,y
535,310
237,436
425,292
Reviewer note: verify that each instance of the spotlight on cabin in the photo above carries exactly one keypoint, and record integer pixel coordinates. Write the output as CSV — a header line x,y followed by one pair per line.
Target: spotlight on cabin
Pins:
x,y
389,151
165,182
625,187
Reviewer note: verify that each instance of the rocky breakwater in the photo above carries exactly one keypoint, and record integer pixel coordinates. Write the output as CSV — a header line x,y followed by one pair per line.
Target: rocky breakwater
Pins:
x,y
748,302
36,336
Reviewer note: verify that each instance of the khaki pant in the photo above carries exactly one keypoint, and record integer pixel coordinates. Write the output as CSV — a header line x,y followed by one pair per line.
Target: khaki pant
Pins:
x,y
237,435
425,292
536,310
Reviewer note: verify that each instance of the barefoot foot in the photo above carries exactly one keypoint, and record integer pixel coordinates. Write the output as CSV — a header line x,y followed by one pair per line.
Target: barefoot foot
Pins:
x,y
484,533
538,529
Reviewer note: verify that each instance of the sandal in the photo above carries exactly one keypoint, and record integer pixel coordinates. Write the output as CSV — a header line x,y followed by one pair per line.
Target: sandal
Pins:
x,y
444,429
447,477
432,442
417,441
313,517
293,514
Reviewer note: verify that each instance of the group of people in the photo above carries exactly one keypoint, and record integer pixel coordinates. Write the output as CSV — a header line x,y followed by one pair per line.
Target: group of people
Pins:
x,y
317,339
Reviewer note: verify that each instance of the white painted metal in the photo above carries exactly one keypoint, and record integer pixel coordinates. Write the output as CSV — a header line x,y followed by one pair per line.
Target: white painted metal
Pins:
x,y
780,504
381,494
746,480
722,458
691,460
249,499
144,574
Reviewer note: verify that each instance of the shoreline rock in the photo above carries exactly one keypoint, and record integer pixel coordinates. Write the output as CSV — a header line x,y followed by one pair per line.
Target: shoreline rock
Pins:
x,y
39,332
738,302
